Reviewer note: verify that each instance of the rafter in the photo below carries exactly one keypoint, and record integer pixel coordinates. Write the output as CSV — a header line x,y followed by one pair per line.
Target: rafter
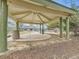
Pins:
x,y
45,16
24,15
18,13
18,19
40,18
49,19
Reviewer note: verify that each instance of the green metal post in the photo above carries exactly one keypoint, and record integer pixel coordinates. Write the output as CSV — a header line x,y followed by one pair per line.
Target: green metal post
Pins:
x,y
17,25
61,27
17,30
16,34
3,25
42,28
67,28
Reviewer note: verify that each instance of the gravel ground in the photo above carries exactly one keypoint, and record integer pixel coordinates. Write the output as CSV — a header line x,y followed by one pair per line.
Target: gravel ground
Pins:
x,y
64,50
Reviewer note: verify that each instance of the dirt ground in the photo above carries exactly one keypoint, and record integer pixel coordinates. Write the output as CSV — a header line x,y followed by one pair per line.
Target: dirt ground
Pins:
x,y
60,50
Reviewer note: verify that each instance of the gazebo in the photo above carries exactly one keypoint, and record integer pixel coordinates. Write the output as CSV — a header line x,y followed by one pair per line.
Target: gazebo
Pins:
x,y
34,12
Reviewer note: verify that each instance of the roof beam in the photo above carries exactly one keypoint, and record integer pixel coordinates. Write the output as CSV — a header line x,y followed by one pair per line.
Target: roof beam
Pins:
x,y
40,18
17,19
45,16
18,13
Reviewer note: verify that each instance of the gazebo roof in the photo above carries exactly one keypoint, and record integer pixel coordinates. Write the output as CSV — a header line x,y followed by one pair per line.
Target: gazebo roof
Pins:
x,y
37,11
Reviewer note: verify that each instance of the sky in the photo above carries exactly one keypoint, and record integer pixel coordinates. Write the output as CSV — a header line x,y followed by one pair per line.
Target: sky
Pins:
x,y
67,2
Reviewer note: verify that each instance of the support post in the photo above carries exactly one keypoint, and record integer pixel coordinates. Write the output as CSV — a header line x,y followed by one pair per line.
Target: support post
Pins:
x,y
17,25
42,28
67,28
3,25
61,27
17,30
16,34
